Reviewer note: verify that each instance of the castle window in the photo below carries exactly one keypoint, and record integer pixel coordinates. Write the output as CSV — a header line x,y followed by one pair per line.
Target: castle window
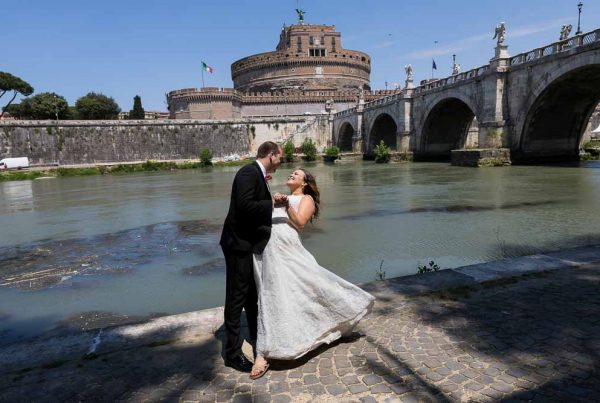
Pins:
x,y
316,52
322,40
333,44
299,44
311,40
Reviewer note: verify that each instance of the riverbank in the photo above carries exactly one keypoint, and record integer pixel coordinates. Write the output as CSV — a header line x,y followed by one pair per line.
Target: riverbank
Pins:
x,y
524,329
107,168
41,172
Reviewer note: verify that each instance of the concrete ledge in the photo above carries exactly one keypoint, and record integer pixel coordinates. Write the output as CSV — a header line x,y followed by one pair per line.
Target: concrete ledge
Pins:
x,y
206,323
480,157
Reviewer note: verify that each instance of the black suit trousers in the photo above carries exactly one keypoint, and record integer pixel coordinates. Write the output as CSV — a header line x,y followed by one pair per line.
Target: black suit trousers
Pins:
x,y
240,293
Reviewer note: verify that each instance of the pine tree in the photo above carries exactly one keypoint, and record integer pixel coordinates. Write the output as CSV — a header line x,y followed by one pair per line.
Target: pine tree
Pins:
x,y
137,112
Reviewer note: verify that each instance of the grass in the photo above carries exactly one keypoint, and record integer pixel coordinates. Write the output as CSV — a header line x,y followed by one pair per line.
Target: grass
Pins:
x,y
148,166
21,176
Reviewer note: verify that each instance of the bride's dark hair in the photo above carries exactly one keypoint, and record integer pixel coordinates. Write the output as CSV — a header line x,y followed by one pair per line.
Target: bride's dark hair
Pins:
x,y
312,190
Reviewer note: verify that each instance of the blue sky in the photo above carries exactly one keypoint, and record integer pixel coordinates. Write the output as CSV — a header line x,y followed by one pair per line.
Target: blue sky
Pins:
x,y
128,47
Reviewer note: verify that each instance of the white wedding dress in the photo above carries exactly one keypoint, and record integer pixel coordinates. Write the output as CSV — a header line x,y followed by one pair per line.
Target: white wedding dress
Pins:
x,y
301,305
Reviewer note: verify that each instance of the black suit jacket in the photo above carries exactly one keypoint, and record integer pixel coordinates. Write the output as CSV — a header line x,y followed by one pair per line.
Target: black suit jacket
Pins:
x,y
247,227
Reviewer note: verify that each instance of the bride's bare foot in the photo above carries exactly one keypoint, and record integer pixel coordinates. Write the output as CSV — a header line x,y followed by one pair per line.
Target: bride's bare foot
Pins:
x,y
260,367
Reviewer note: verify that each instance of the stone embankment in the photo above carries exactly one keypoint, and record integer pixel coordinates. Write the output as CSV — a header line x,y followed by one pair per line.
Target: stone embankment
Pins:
x,y
117,141
523,329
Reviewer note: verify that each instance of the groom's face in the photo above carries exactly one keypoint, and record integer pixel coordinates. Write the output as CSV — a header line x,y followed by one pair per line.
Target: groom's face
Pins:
x,y
275,159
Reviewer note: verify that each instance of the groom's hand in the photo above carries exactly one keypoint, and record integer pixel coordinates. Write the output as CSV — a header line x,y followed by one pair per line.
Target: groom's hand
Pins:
x,y
279,200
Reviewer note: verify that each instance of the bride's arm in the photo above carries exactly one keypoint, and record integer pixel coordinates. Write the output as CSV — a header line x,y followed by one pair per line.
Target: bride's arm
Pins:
x,y
300,217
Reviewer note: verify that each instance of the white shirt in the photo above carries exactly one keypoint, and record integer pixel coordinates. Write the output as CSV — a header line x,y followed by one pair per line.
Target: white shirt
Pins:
x,y
263,169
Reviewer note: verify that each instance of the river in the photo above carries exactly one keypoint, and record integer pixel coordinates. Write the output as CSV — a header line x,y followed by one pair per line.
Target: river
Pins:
x,y
78,253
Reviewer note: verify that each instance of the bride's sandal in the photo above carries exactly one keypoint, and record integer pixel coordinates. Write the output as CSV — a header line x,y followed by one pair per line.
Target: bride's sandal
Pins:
x,y
262,369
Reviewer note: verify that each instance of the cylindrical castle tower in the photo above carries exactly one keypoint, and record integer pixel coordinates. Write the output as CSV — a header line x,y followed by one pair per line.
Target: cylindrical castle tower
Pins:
x,y
307,58
308,73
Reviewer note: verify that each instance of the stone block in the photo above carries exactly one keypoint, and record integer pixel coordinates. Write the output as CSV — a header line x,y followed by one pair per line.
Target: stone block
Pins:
x,y
480,157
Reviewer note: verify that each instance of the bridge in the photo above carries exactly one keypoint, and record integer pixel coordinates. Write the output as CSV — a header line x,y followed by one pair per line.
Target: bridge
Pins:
x,y
536,105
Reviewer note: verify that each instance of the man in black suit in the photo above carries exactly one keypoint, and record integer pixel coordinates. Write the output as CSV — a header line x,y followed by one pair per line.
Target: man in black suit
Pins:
x,y
246,231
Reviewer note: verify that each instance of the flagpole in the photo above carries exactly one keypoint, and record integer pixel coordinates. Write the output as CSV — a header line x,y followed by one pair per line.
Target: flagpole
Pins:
x,y
202,74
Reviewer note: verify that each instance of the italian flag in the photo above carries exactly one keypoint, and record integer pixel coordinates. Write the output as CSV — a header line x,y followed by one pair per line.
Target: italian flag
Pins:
x,y
206,67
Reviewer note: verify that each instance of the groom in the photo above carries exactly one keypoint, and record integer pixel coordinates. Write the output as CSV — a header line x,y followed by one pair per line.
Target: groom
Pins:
x,y
247,230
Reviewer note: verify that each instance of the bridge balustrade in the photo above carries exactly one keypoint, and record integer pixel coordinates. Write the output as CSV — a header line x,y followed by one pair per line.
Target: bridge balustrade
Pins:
x,y
556,47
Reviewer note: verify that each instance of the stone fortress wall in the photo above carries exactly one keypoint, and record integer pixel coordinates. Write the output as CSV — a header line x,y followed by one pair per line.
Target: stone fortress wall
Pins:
x,y
227,103
106,141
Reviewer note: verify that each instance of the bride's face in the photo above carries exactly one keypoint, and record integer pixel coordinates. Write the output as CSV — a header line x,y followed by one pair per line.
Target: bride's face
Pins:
x,y
296,180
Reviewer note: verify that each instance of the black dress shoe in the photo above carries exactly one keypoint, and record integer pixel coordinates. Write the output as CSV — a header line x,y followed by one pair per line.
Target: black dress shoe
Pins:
x,y
241,363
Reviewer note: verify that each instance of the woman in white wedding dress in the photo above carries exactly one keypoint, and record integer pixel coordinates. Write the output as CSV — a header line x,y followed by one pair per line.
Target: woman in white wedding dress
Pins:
x,y
301,305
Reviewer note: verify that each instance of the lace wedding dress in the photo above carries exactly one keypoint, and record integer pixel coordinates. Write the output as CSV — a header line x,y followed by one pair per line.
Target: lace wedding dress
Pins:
x,y
301,305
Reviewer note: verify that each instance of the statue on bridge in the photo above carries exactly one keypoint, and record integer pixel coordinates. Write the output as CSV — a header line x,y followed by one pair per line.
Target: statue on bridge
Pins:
x,y
565,31
499,34
409,72
455,69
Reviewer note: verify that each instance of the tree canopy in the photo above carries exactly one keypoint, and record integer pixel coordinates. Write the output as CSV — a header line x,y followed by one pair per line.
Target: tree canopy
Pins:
x,y
9,83
97,106
47,105
137,112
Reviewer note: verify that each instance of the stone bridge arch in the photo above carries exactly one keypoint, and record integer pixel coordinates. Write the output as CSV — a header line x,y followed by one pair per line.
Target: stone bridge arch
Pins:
x,y
345,128
445,125
345,136
382,127
552,119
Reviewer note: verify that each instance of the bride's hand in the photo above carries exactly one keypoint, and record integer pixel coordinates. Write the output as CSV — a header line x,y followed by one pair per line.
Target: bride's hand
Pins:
x,y
280,199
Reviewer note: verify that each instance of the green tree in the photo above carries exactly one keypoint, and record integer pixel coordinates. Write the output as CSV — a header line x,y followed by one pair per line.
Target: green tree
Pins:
x,y
137,112
9,83
331,153
97,106
46,105
309,149
206,157
382,153
72,113
288,151
16,110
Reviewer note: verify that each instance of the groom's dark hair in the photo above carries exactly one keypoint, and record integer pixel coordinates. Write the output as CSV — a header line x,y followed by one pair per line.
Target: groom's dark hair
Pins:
x,y
267,148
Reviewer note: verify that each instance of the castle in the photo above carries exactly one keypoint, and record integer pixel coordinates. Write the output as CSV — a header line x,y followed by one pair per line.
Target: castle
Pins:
x,y
308,73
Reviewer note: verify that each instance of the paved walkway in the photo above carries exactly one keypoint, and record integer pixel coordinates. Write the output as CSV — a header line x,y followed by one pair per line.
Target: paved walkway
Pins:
x,y
525,329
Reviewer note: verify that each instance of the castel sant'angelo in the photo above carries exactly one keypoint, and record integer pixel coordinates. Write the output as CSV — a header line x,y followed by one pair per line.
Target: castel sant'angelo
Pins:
x,y
308,73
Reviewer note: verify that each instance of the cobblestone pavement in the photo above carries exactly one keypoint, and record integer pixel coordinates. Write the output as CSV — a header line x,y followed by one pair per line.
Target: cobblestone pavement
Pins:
x,y
529,338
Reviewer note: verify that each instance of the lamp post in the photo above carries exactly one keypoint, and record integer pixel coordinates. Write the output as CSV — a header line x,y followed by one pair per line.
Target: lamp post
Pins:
x,y
579,7
56,108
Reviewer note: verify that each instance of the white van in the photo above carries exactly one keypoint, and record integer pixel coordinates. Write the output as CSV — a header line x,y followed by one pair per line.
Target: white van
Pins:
x,y
14,163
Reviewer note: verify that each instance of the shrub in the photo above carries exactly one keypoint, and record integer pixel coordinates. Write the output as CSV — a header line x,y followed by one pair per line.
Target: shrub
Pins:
x,y
288,151
427,269
332,151
206,157
382,153
309,149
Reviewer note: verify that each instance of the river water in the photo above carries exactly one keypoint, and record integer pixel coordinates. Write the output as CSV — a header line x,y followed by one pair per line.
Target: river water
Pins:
x,y
78,253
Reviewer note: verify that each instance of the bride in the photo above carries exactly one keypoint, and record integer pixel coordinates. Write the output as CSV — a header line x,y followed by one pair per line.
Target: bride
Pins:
x,y
301,305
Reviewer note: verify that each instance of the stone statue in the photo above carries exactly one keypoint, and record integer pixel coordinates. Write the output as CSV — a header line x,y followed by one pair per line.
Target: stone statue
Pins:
x,y
455,69
499,34
565,31
409,72
300,15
